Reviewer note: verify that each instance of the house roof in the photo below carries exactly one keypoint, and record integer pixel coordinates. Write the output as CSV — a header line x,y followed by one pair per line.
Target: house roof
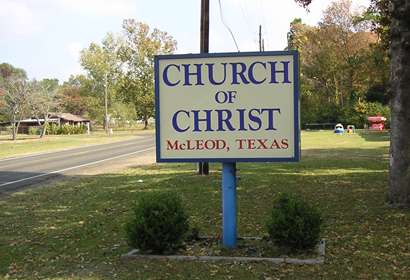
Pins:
x,y
68,117
53,117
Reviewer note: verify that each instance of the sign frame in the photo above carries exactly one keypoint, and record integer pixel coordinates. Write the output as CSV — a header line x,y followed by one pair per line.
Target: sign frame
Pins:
x,y
296,106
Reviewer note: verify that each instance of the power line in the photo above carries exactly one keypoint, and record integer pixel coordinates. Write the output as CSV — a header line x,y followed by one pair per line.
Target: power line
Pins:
x,y
245,16
247,21
227,27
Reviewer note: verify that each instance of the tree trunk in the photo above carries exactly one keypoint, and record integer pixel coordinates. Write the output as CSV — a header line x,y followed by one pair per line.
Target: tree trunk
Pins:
x,y
350,89
399,192
38,121
14,132
44,128
13,129
145,122
17,128
41,126
338,92
106,122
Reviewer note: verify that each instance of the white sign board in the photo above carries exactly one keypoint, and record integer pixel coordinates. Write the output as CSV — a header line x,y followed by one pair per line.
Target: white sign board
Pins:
x,y
227,107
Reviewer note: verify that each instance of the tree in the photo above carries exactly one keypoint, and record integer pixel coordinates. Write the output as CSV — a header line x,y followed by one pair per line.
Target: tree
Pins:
x,y
43,100
15,96
335,69
137,53
379,15
8,71
103,68
399,190
304,3
75,96
346,42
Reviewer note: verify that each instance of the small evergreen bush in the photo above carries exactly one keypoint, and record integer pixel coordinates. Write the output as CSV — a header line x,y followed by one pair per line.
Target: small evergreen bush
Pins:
x,y
159,223
294,223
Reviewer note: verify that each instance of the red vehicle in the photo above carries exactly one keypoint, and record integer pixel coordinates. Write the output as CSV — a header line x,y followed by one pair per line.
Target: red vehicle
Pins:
x,y
376,122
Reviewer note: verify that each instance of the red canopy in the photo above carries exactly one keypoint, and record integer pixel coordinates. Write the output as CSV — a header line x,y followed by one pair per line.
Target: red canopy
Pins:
x,y
376,119
376,122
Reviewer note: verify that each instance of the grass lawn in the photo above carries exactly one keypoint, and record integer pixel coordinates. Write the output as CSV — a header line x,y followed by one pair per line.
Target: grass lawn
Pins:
x,y
75,230
28,144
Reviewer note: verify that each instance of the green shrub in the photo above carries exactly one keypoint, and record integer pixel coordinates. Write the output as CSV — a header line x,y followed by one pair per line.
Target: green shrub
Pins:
x,y
34,130
80,129
159,223
52,129
294,223
66,129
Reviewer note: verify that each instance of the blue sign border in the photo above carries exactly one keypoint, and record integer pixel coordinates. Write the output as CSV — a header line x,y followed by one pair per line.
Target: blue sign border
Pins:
x,y
296,71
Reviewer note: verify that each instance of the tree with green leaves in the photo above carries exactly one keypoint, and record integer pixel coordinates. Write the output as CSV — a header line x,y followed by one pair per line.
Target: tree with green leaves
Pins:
x,y
42,101
339,65
379,15
14,100
75,96
8,71
103,68
137,53
397,13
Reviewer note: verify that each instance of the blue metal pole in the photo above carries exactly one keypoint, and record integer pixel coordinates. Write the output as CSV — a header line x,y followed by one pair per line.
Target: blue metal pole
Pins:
x,y
229,204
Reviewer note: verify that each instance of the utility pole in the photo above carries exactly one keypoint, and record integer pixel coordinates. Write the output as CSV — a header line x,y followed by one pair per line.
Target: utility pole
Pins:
x,y
106,125
204,41
203,167
260,38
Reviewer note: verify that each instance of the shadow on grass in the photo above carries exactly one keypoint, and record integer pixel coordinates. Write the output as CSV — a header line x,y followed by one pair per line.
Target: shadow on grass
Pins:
x,y
77,223
17,141
13,181
373,136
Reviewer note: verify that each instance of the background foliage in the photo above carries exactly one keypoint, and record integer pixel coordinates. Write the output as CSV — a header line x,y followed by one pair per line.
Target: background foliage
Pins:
x,y
344,67
344,70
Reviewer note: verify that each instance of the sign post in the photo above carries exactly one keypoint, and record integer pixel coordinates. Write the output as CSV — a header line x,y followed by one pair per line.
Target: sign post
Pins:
x,y
203,167
228,108
229,204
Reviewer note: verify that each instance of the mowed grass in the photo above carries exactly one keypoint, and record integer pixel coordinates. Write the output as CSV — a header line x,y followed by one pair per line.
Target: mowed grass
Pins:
x,y
75,230
28,144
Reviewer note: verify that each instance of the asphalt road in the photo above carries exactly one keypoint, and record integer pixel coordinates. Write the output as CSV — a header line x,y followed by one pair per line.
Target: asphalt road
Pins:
x,y
17,173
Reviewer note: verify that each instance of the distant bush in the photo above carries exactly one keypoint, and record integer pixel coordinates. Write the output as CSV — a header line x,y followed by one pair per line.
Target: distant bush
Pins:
x,y
294,223
159,223
355,113
34,130
5,130
66,129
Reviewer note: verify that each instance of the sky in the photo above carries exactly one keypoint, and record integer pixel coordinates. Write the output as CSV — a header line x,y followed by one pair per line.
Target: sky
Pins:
x,y
45,37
